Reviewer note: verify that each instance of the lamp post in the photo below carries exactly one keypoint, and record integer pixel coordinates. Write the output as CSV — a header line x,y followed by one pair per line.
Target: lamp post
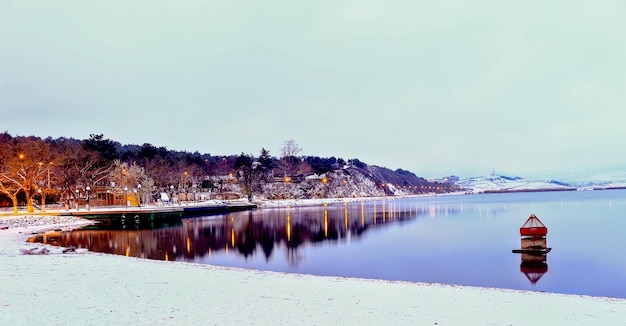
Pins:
x,y
76,199
171,195
186,175
108,194
325,189
135,191
126,196
49,164
88,189
43,200
139,199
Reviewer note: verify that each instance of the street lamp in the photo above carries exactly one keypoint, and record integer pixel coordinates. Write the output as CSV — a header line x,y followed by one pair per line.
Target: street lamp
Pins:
x,y
49,165
171,195
43,200
126,196
183,184
135,191
139,199
76,199
108,194
88,197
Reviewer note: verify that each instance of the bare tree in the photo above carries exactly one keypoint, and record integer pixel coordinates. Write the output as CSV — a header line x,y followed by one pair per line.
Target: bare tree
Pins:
x,y
68,153
290,148
289,161
21,167
95,160
131,178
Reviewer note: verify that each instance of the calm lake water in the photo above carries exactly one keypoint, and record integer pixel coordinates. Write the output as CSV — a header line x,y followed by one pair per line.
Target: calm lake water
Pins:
x,y
464,240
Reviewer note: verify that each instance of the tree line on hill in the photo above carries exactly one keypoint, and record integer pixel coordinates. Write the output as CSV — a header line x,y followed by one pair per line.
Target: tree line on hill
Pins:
x,y
64,170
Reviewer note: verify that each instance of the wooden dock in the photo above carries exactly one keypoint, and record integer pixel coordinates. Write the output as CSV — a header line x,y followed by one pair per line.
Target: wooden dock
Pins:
x,y
155,213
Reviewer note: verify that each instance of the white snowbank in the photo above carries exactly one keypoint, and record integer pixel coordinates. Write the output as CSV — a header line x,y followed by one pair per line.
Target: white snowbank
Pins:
x,y
92,288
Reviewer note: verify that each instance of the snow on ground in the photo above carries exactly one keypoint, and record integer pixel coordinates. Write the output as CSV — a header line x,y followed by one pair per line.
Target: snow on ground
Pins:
x,y
98,289
499,183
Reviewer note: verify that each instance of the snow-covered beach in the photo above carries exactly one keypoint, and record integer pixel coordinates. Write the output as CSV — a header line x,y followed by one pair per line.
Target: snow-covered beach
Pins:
x,y
79,288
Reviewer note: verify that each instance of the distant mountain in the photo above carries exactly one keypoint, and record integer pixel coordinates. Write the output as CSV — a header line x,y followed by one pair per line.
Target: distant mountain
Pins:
x,y
501,183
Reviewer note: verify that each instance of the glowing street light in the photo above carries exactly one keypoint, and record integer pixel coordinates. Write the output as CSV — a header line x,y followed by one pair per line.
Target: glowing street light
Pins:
x,y
77,199
88,197
43,200
126,196
139,199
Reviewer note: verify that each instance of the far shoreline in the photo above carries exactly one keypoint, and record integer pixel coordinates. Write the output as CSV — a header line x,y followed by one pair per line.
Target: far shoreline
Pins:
x,y
298,202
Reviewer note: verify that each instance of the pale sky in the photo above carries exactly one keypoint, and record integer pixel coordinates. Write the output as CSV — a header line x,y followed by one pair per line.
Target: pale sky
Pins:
x,y
529,88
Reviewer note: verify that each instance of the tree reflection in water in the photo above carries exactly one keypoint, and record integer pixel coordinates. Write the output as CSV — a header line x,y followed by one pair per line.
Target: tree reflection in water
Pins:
x,y
245,233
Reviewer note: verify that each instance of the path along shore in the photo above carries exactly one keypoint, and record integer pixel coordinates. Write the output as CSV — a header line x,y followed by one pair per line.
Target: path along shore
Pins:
x,y
87,288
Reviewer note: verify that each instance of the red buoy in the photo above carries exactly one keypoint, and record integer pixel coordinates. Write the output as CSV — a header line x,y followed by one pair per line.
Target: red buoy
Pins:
x,y
534,249
533,228
533,235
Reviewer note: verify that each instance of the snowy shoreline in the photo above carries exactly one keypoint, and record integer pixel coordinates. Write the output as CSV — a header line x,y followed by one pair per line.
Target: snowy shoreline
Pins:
x,y
94,288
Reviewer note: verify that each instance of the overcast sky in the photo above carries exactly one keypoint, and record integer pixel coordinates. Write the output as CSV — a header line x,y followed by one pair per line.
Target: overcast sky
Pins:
x,y
529,88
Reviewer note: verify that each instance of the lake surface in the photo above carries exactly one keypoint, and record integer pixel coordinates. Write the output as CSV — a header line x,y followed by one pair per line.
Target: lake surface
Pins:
x,y
465,240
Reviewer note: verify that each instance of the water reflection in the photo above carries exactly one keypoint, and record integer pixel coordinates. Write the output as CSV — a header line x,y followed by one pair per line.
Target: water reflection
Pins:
x,y
245,233
534,249
445,239
534,266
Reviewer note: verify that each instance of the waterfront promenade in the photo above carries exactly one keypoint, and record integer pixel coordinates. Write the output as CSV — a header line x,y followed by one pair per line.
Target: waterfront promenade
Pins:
x,y
178,209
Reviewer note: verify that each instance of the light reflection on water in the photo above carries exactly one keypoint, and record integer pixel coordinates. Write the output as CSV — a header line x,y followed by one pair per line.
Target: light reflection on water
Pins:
x,y
449,239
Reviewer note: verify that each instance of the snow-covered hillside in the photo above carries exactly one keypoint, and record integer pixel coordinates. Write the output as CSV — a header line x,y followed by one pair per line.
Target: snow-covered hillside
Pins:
x,y
374,181
499,183
347,182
